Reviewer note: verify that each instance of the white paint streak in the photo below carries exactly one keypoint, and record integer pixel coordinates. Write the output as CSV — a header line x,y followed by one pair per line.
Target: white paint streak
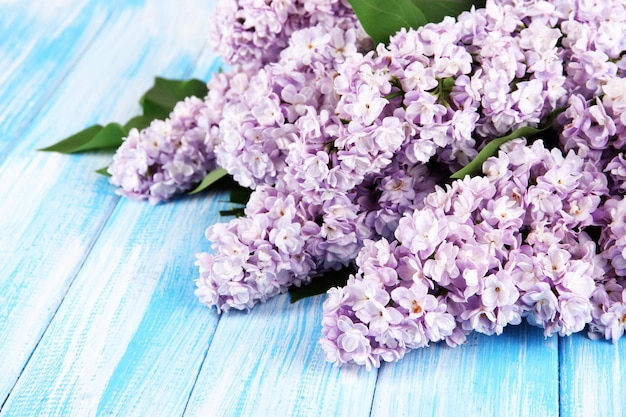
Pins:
x,y
103,337
11,63
616,392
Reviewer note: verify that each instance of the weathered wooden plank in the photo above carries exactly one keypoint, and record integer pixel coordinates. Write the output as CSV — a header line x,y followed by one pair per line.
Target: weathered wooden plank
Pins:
x,y
268,362
593,377
514,374
52,207
160,364
130,335
40,43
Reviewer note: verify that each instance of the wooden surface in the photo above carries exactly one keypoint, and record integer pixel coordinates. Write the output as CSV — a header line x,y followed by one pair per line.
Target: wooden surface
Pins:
x,y
97,312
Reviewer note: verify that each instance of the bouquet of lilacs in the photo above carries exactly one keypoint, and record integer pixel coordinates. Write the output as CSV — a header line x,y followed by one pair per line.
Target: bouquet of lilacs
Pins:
x,y
464,175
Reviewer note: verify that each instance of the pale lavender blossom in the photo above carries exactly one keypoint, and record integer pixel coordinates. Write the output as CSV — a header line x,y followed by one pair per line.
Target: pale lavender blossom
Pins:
x,y
613,237
614,321
281,241
345,146
479,255
253,34
255,257
281,116
168,157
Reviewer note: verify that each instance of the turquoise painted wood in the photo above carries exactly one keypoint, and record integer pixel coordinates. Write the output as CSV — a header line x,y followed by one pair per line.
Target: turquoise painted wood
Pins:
x,y
269,363
41,42
514,374
97,312
592,377
53,206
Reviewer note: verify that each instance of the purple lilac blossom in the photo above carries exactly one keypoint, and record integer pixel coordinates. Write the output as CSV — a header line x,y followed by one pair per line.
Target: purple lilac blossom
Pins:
x,y
594,125
613,236
348,135
257,256
282,241
419,98
385,113
385,197
253,33
482,253
594,118
609,296
168,157
283,104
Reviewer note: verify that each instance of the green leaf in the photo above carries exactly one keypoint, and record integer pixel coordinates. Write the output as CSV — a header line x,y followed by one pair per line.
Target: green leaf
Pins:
x,y
237,212
138,122
192,87
163,92
381,19
240,195
152,109
321,284
435,11
71,143
103,171
474,167
91,139
110,137
209,180
159,101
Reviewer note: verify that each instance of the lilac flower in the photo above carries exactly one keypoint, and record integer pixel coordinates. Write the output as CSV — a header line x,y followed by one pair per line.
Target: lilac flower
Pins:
x,y
415,300
282,241
344,147
168,157
475,257
542,303
396,314
421,232
613,237
254,34
255,257
616,170
574,312
498,290
282,104
352,341
614,321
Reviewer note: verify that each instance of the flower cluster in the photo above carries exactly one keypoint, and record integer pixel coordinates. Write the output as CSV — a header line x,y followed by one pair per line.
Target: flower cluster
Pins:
x,y
328,120
481,254
281,105
282,241
349,149
254,33
168,157
609,298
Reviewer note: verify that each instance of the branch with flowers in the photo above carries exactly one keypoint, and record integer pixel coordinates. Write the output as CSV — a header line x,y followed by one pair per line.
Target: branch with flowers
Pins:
x,y
436,178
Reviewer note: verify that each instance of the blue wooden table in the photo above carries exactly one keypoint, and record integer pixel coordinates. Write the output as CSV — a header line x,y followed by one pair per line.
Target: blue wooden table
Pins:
x,y
97,311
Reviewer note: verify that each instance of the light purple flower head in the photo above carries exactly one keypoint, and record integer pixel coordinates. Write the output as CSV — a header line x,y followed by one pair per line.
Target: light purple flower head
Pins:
x,y
168,157
253,33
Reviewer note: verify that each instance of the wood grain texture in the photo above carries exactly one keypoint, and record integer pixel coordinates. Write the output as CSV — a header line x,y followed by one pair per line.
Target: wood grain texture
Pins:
x,y
53,208
41,43
130,336
593,377
514,374
269,363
